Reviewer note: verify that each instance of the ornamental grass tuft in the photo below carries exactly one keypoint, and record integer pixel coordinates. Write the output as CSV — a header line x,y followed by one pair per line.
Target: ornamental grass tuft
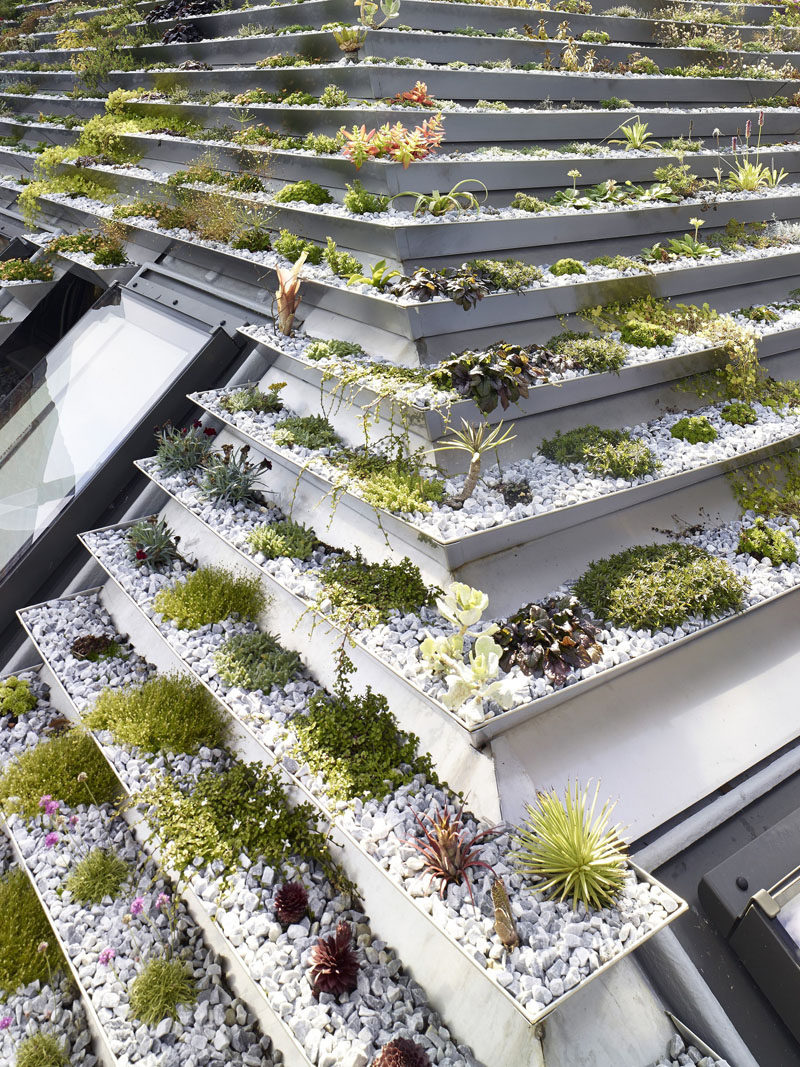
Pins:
x,y
160,989
53,767
42,1050
99,874
23,928
167,713
572,851
209,595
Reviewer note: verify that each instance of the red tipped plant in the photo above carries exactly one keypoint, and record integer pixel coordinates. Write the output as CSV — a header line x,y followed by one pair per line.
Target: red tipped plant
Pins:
x,y
291,903
402,1052
393,142
449,853
334,967
418,96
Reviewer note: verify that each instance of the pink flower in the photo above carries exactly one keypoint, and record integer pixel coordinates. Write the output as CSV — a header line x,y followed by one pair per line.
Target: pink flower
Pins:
x,y
162,900
43,801
761,118
43,946
73,820
106,956
137,907
748,129
51,839
734,143
51,807
5,1022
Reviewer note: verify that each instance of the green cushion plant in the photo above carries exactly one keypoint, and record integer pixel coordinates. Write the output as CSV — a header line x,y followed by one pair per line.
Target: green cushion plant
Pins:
x,y
160,989
739,414
23,927
696,429
209,595
55,766
305,191
363,594
256,661
305,431
608,453
595,354
284,538
167,713
16,697
42,1050
765,542
652,587
101,873
567,266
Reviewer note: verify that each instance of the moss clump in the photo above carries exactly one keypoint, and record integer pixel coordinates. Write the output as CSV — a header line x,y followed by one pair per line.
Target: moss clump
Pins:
x,y
241,811
510,274
651,587
157,992
286,538
42,1050
609,453
567,266
595,354
696,429
366,594
303,191
16,697
765,542
361,202
645,334
167,713
209,595
305,431
53,767
739,414
256,661
100,874
354,744
23,927
524,202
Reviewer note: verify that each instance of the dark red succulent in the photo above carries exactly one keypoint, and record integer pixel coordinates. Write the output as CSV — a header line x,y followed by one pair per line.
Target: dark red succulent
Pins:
x,y
402,1052
291,903
448,851
334,967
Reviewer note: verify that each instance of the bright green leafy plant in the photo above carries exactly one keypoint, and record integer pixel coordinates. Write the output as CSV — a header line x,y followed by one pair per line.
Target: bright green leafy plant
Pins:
x,y
305,431
16,697
608,453
572,852
68,766
23,927
365,594
696,429
209,595
284,538
766,542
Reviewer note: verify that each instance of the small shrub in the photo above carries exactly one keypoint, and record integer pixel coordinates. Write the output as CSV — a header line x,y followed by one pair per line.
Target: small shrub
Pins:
x,y
765,542
334,96
341,263
16,697
524,202
506,273
209,595
220,816
292,247
650,587
252,398
567,266
354,743
739,414
305,431
158,991
286,538
23,927
611,453
361,202
333,349
304,191
256,661
696,429
595,354
42,1050
645,334
53,767
99,874
366,594
253,239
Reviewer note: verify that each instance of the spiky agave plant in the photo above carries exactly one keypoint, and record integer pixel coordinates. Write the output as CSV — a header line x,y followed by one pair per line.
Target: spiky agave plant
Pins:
x,y
447,850
475,441
334,966
574,851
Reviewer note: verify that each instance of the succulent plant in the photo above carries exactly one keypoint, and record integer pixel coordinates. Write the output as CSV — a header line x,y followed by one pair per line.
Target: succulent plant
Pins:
x,y
554,637
503,916
93,646
183,450
151,541
575,853
402,1052
291,903
449,853
334,966
229,477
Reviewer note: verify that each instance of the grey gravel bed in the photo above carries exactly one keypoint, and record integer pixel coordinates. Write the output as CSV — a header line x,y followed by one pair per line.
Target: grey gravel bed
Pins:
x,y
333,1031
679,1054
397,642
560,947
554,486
